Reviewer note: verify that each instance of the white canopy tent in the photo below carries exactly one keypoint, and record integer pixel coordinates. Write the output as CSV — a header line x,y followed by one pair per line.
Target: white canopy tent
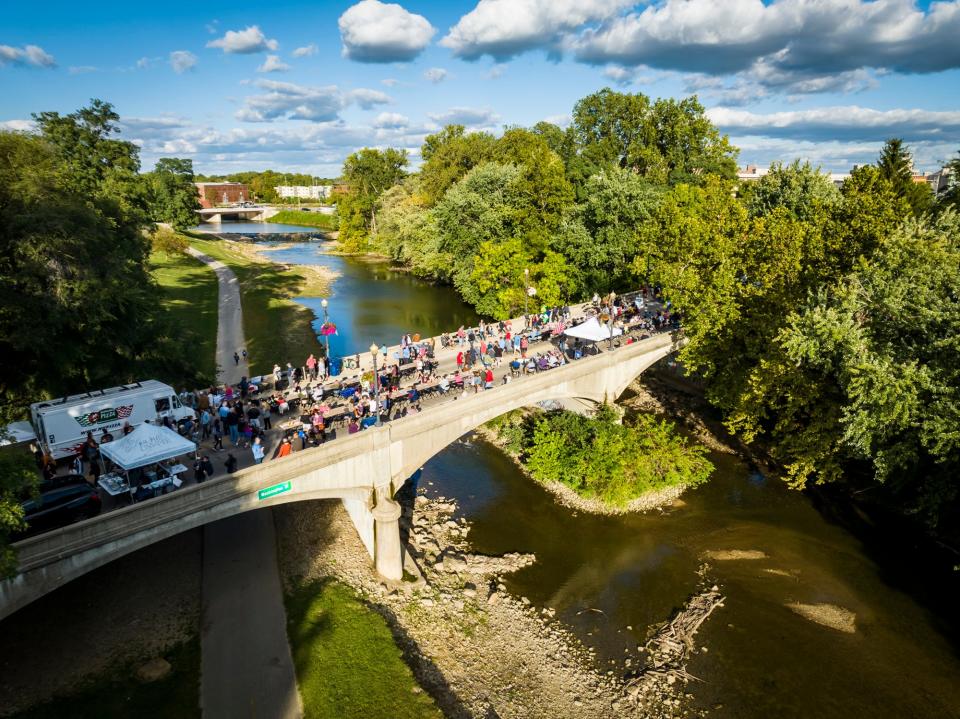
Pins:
x,y
147,444
592,331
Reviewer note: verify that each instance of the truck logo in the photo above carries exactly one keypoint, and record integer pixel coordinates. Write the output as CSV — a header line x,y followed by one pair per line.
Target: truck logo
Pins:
x,y
105,415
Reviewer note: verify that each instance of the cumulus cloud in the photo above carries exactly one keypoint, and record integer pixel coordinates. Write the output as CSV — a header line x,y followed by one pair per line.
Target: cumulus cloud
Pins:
x,y
390,81
794,46
244,42
506,28
273,63
849,123
391,120
33,55
468,116
286,100
81,69
18,125
305,51
436,74
181,61
373,31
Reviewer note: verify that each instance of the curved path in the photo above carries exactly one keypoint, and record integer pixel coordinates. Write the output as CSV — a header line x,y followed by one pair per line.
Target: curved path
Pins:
x,y
246,668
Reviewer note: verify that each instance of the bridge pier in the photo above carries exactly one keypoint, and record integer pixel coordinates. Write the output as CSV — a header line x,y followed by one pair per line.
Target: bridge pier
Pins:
x,y
388,552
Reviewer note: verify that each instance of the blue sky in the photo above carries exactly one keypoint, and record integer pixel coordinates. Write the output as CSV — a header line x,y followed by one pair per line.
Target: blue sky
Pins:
x,y
299,85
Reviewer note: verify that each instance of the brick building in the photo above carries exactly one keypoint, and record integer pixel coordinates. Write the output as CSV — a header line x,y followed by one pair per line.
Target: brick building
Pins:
x,y
222,193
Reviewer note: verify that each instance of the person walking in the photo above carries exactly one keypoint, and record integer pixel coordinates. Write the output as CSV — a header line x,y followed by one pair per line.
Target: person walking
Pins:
x,y
199,471
236,359
217,435
233,426
205,422
258,451
231,464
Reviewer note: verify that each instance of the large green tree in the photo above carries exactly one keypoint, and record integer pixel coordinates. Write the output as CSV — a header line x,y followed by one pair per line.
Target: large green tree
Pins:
x,y
368,173
448,155
896,167
172,194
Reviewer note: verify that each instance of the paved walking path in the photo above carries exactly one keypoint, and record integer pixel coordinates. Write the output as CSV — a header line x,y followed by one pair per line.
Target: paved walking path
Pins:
x,y
246,668
229,322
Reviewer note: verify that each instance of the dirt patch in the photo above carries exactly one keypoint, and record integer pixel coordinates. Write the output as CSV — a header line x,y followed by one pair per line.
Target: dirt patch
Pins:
x,y
478,650
827,615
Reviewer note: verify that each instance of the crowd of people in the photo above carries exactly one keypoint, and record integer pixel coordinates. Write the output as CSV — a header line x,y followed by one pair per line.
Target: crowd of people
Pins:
x,y
315,401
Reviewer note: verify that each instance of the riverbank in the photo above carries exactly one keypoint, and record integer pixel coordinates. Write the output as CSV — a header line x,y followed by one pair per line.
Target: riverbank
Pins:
x,y
277,329
474,647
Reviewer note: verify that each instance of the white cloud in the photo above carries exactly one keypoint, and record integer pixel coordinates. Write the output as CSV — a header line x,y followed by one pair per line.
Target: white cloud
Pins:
x,y
81,69
305,51
27,55
496,71
373,31
468,116
505,28
391,120
793,46
436,74
181,61
368,98
848,123
213,27
390,81
18,125
559,120
273,63
286,100
244,42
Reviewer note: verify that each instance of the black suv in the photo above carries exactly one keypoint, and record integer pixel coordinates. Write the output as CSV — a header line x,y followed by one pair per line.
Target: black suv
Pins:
x,y
62,501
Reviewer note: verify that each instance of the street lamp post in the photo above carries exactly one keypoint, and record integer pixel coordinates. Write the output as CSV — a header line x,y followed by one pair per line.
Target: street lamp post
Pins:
x,y
374,351
326,320
526,288
612,298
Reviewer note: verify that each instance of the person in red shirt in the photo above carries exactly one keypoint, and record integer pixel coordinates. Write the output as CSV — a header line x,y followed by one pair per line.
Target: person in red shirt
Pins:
x,y
460,359
488,379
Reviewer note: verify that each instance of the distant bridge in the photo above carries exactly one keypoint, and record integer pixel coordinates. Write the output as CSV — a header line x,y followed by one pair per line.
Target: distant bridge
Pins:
x,y
216,215
364,470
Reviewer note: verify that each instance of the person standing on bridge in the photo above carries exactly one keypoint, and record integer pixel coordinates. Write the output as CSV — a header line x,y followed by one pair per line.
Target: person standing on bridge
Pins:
x,y
312,366
236,359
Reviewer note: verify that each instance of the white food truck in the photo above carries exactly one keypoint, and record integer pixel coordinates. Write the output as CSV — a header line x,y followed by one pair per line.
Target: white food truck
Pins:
x,y
61,425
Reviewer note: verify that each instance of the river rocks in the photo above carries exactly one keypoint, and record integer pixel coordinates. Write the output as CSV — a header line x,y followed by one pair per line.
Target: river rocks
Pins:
x,y
154,670
727,555
827,615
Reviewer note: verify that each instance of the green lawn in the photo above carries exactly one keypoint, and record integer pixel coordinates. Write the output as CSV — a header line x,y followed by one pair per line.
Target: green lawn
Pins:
x,y
175,697
309,219
347,662
190,295
277,329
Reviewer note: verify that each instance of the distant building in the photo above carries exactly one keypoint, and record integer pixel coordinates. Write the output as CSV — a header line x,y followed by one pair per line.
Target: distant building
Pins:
x,y
340,188
213,194
939,181
304,192
838,178
751,172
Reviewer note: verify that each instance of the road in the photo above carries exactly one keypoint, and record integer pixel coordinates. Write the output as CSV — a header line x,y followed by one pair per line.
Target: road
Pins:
x,y
246,668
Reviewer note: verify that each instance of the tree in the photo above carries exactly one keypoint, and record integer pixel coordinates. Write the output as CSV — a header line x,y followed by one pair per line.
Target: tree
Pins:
x,y
618,203
896,167
369,173
173,196
666,142
951,196
448,156
801,189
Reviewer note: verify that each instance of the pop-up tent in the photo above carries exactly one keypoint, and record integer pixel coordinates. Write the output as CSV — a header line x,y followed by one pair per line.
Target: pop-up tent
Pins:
x,y
592,331
147,444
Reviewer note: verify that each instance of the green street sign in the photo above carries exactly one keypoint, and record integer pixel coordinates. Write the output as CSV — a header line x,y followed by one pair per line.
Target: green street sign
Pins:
x,y
273,491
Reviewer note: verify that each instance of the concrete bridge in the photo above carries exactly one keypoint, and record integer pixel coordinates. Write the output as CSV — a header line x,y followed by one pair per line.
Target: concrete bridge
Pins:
x,y
364,470
217,215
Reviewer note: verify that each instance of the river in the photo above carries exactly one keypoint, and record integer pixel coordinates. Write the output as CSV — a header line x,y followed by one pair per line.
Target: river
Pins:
x,y
763,659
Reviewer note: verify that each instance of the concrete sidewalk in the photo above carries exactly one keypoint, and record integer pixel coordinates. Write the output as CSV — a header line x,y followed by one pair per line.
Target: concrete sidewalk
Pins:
x,y
246,668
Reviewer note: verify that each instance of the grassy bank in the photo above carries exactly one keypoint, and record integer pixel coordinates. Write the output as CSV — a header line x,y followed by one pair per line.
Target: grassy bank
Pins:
x,y
277,329
308,219
347,662
120,694
190,296
611,465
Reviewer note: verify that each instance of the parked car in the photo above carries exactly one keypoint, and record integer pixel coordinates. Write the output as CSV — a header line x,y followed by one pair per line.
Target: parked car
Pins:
x,y
62,501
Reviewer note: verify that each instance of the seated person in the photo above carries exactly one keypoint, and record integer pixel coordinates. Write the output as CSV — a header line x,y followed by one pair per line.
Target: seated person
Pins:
x,y
353,427
444,384
530,367
144,491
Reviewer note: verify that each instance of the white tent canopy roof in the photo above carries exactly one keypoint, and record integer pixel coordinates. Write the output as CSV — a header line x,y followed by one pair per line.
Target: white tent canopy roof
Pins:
x,y
592,331
147,444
